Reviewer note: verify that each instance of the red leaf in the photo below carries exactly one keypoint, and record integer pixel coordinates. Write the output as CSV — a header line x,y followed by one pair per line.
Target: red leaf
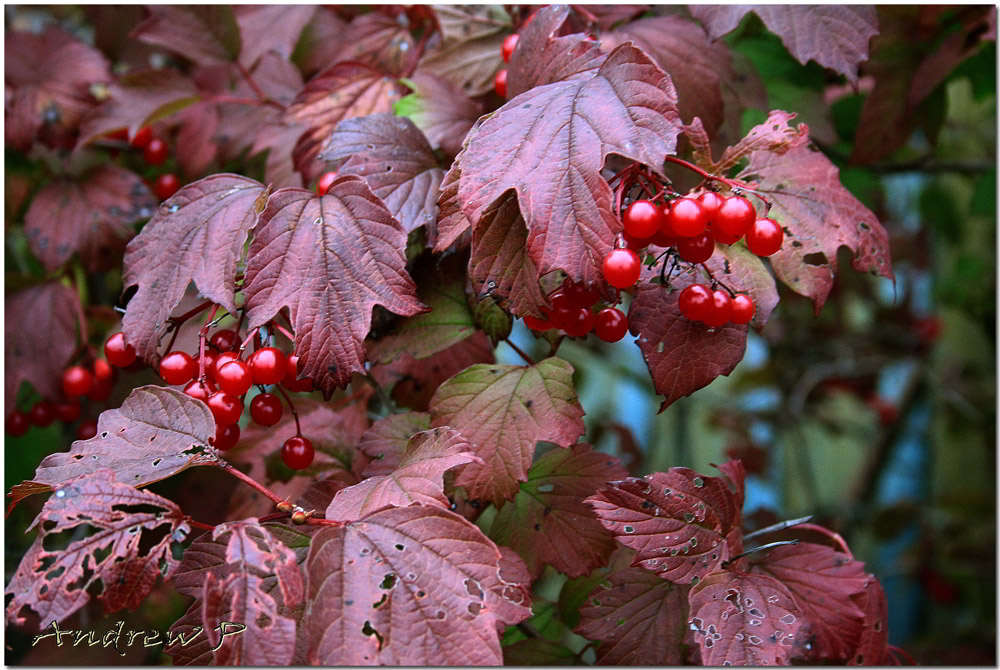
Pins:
x,y
387,439
773,136
50,308
440,109
205,34
343,91
682,355
330,260
377,40
131,546
392,155
873,648
549,524
197,235
417,480
744,619
278,139
682,525
452,222
823,584
550,144
504,410
196,146
639,619
270,28
471,50
819,216
719,20
92,217
541,58
407,586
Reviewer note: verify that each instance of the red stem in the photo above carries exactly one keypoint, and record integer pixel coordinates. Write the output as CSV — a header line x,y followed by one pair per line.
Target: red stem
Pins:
x,y
274,516
313,521
291,408
250,336
179,320
734,184
256,89
829,533
526,357
202,335
198,524
281,329
266,492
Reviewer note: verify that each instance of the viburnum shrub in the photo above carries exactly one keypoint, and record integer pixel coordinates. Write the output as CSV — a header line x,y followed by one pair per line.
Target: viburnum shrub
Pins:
x,y
344,214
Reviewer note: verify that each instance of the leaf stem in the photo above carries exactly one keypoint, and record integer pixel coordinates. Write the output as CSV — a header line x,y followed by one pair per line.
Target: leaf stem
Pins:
x,y
256,89
198,524
776,527
836,537
526,357
250,337
250,481
291,408
734,184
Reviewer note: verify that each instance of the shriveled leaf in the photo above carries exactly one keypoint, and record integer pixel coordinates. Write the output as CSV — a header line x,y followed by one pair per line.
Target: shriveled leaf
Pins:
x,y
682,525
682,355
440,109
542,58
819,216
873,648
387,439
408,586
549,145
265,28
197,235
504,410
130,548
330,259
393,156
773,136
744,619
417,480
206,34
638,618
471,51
549,524
50,308
92,217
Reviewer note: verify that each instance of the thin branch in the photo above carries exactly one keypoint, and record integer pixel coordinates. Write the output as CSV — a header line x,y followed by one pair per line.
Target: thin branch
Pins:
x,y
291,408
198,524
526,357
266,492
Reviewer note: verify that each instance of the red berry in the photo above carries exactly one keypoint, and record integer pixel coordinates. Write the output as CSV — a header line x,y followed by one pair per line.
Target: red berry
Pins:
x,y
537,324
103,371
560,301
86,430
695,302
266,409
735,216
67,411
765,237
17,423
325,181
178,367
611,324
509,43
500,83
722,309
743,308
42,414
209,364
697,249
687,218
224,339
76,381
642,219
581,295
225,408
234,378
558,318
219,361
143,137
710,202
199,390
119,352
721,238
100,391
155,152
297,452
622,268
579,323
634,243
664,240
267,366
291,379
888,413
166,185
226,437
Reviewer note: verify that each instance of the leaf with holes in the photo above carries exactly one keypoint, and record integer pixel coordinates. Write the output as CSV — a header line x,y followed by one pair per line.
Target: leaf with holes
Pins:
x,y
543,58
393,156
408,586
93,217
330,259
417,480
504,410
549,145
682,525
205,34
197,235
471,50
549,524
873,648
819,216
682,355
131,546
773,136
388,438
442,110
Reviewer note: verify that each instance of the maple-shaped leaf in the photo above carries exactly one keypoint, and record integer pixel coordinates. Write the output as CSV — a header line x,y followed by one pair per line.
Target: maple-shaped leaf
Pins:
x,y
270,28
50,308
205,34
330,259
156,433
417,480
824,584
388,438
414,381
47,79
775,136
130,546
549,145
542,58
639,619
471,49
343,91
197,235
682,355
873,647
504,410
548,523
393,156
408,586
682,525
744,619
241,127
442,110
93,217
819,216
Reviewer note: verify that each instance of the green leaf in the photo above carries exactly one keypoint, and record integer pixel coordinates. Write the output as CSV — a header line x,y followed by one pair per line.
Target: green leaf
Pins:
x,y
493,319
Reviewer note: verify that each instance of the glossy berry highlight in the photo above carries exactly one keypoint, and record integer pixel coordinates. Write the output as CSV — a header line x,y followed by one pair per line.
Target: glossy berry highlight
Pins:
x,y
297,452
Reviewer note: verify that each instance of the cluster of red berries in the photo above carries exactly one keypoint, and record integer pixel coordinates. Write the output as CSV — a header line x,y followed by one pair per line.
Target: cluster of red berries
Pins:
x,y
500,81
572,312
154,152
716,307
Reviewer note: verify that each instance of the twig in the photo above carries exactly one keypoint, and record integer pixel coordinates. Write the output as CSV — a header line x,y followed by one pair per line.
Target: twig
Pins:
x,y
291,408
266,492
526,357
198,524
734,184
